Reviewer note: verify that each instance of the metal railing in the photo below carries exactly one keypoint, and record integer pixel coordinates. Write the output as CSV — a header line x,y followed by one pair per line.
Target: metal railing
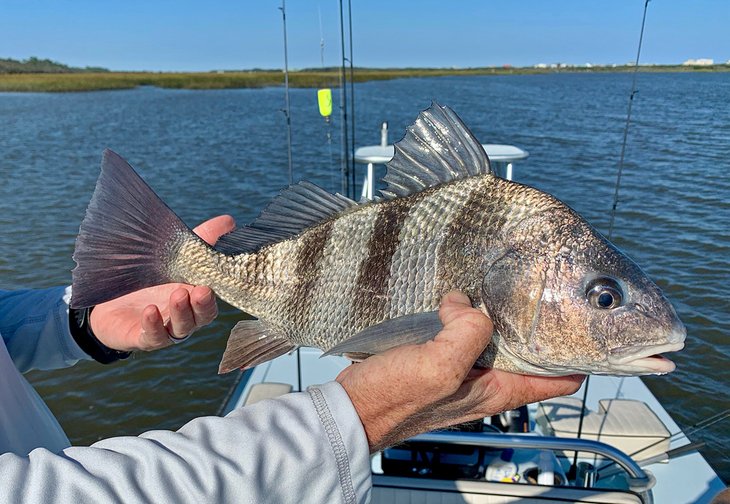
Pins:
x,y
640,480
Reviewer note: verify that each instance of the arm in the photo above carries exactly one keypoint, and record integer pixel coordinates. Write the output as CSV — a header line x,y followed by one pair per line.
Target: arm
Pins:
x,y
35,323
307,444
304,444
34,326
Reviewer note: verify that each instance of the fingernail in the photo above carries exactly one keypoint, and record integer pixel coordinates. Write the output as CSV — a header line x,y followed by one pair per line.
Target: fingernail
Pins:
x,y
208,298
459,297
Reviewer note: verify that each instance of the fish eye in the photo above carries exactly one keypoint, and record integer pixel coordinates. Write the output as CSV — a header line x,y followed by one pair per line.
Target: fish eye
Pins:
x,y
604,293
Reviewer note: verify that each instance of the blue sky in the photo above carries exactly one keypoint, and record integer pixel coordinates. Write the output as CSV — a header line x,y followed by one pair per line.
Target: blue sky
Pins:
x,y
188,35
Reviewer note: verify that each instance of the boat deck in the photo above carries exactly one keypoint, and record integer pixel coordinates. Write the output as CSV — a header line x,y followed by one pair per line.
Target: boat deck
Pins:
x,y
686,479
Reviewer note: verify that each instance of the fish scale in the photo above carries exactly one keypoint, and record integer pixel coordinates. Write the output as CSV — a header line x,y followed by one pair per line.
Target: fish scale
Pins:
x,y
414,279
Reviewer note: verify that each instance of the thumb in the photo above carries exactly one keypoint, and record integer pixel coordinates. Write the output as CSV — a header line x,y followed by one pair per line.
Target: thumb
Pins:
x,y
467,331
214,228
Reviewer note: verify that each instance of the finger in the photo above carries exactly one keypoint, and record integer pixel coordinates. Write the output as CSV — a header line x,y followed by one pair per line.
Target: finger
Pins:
x,y
154,334
214,228
466,331
503,391
457,346
542,387
182,318
204,306
452,305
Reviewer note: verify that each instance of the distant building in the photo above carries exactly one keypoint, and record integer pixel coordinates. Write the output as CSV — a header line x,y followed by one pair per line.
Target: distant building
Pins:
x,y
699,62
541,65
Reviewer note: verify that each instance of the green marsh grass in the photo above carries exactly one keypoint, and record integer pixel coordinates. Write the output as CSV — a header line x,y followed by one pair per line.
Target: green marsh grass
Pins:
x,y
89,81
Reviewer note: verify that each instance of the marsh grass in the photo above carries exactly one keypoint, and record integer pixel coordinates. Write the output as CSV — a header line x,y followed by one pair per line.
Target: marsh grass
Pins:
x,y
64,82
92,81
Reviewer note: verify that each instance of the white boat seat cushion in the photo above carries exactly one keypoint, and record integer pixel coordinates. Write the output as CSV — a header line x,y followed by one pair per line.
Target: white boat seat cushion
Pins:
x,y
628,425
266,390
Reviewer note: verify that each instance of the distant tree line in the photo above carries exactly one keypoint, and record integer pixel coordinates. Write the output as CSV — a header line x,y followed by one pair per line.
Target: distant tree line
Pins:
x,y
36,65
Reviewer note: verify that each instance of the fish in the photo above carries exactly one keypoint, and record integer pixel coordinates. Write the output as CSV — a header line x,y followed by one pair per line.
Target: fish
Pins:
x,y
356,278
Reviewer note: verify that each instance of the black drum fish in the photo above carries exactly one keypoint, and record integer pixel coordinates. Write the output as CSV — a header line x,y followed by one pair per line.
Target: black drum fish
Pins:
x,y
357,278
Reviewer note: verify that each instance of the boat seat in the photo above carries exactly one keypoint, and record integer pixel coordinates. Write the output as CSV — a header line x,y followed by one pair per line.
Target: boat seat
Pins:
x,y
401,490
626,424
266,390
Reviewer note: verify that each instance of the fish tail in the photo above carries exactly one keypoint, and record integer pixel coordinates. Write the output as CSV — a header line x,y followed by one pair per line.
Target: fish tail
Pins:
x,y
127,239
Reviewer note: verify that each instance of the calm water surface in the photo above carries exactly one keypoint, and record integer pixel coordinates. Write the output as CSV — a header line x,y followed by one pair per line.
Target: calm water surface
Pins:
x,y
213,152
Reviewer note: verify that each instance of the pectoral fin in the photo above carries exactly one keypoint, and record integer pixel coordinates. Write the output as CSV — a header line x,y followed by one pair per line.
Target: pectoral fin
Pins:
x,y
356,356
407,330
252,342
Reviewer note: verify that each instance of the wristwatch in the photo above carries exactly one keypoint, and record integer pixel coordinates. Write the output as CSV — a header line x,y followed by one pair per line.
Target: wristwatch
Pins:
x,y
79,321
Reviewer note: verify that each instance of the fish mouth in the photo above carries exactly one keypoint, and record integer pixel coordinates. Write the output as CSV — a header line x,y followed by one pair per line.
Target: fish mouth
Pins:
x,y
644,360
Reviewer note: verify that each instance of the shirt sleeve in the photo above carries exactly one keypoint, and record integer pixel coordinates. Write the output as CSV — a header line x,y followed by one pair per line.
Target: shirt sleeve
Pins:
x,y
34,326
302,447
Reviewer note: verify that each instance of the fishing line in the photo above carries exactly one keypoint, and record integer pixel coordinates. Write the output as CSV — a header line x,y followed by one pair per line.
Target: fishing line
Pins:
x,y
666,456
327,119
321,38
329,153
628,122
616,191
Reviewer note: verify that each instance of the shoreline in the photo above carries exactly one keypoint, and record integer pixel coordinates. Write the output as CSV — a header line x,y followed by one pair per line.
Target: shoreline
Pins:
x,y
102,81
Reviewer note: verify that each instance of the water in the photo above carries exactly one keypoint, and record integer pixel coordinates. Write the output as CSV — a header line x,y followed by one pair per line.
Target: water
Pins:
x,y
213,152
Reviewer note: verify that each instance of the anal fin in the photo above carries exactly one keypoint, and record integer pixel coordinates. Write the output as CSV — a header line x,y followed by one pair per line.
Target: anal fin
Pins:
x,y
252,342
406,330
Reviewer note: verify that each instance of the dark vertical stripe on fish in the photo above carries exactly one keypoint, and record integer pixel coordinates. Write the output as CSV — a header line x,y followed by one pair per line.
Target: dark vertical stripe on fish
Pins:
x,y
465,236
371,297
307,270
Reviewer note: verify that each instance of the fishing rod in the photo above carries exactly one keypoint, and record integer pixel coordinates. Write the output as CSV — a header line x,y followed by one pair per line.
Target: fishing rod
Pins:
x,y
286,110
343,109
287,113
615,199
352,100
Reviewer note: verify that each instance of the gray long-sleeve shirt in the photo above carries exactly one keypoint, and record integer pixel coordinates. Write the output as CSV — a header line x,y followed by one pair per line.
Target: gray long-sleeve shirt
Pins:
x,y
302,447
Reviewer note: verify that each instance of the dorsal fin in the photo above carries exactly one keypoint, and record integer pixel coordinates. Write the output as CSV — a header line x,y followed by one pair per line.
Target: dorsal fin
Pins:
x,y
437,148
293,210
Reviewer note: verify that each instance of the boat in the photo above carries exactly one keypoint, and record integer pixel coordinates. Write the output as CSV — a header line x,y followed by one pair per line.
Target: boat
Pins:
x,y
610,442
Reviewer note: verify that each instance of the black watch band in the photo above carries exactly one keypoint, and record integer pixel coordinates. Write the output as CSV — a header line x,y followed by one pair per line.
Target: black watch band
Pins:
x,y
79,321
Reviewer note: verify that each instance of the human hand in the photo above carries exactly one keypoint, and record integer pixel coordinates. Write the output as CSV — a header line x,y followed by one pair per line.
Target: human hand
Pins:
x,y
418,388
147,318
